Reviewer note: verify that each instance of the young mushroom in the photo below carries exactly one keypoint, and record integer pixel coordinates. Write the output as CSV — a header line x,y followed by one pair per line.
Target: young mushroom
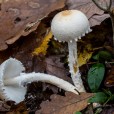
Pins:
x,y
69,26
10,69
13,82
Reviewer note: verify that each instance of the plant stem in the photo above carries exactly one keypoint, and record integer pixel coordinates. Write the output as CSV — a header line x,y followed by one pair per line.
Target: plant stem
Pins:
x,y
108,10
110,4
24,79
112,21
99,6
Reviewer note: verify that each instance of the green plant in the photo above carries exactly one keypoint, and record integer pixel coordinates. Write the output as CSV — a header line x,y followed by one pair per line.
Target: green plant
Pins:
x,y
102,97
97,70
78,113
102,56
95,76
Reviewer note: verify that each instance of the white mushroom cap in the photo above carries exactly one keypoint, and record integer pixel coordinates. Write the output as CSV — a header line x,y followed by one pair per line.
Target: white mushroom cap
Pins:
x,y
9,69
70,25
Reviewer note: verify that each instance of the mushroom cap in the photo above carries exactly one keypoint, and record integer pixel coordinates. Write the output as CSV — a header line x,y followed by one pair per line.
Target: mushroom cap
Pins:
x,y
69,25
9,69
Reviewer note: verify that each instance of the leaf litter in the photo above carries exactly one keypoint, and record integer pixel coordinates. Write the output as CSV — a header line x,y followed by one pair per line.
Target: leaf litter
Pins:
x,y
68,104
51,63
23,17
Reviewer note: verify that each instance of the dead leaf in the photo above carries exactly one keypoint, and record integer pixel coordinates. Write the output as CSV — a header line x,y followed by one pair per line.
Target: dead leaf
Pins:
x,y
17,112
85,55
109,82
55,67
4,106
109,110
94,14
21,17
42,49
18,109
68,104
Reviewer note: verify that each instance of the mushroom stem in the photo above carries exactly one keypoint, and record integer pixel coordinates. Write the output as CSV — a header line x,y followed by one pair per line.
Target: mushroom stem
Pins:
x,y
23,79
73,66
73,63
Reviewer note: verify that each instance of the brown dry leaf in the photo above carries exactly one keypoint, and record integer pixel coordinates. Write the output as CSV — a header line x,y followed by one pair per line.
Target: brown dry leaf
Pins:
x,y
19,109
68,104
21,17
17,112
94,14
4,107
109,81
108,110
55,67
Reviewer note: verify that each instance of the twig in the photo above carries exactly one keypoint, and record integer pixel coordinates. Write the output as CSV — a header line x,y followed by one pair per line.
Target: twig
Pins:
x,y
112,20
108,10
99,6
110,4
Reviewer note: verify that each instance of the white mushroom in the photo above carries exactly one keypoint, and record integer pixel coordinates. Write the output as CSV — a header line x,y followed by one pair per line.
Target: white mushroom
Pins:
x,y
13,82
70,26
10,69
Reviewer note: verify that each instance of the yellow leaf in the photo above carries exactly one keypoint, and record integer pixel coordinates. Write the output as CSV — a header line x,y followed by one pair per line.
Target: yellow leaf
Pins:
x,y
43,47
84,56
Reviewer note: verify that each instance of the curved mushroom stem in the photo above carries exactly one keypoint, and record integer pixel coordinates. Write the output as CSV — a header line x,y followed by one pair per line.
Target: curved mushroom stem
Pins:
x,y
73,66
23,79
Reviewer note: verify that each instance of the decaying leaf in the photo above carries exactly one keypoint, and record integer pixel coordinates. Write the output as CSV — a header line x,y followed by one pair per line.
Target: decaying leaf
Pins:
x,y
108,110
94,14
19,109
68,104
17,112
42,49
21,17
109,82
4,106
55,67
84,56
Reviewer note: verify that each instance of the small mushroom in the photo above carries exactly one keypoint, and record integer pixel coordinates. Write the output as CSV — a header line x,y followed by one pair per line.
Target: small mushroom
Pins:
x,y
10,69
13,82
70,26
